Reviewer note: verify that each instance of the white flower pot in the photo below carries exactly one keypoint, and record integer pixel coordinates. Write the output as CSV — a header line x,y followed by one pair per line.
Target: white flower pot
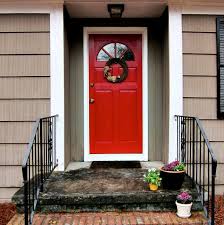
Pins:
x,y
183,210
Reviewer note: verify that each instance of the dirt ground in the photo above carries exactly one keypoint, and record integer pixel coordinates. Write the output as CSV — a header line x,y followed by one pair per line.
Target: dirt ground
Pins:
x,y
219,210
8,210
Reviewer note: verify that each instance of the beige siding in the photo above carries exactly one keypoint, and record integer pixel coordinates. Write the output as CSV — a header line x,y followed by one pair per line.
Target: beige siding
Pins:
x,y
24,43
10,176
6,192
203,108
24,90
12,154
218,148
15,132
200,87
202,43
20,110
24,65
199,23
219,175
24,23
155,97
200,83
76,97
28,87
196,65
214,129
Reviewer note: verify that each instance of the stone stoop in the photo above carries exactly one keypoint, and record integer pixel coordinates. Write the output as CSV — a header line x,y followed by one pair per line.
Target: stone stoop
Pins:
x,y
105,189
150,218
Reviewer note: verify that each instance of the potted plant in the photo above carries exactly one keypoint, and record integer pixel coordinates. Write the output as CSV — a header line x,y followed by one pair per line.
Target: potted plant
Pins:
x,y
152,177
184,204
172,175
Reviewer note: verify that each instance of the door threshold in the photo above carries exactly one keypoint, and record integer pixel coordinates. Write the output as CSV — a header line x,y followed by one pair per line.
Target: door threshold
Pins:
x,y
87,165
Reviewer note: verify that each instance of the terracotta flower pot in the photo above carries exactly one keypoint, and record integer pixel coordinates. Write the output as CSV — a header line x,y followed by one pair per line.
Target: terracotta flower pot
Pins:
x,y
153,187
183,210
172,180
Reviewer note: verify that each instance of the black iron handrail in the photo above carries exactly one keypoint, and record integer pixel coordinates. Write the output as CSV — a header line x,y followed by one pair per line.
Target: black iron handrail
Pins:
x,y
194,149
38,163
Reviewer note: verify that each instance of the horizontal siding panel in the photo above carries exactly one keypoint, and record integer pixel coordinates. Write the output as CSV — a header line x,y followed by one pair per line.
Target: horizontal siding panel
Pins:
x,y
202,108
26,87
214,129
218,149
204,173
23,110
24,23
219,174
7,193
199,65
24,43
201,43
15,132
219,189
12,154
200,87
199,23
24,65
10,176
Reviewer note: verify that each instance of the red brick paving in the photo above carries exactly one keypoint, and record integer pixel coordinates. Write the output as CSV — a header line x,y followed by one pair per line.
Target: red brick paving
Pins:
x,y
113,218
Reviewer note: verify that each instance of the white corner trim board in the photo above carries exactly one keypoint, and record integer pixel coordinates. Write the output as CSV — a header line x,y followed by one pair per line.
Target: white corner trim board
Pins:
x,y
57,79
175,77
115,30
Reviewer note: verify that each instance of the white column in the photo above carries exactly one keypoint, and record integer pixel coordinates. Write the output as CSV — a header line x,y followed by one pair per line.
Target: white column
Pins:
x,y
175,76
57,77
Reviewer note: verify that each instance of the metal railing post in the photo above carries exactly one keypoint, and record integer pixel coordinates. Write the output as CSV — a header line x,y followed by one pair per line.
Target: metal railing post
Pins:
x,y
54,140
214,165
193,149
25,199
41,157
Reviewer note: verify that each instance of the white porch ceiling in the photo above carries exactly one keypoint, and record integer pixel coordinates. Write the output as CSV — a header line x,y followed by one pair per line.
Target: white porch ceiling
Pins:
x,y
132,9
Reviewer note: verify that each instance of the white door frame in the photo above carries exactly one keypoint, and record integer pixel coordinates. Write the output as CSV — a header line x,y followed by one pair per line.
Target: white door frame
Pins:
x,y
116,30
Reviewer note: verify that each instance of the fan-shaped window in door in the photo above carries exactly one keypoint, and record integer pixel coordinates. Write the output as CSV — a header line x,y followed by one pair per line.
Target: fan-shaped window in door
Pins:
x,y
115,50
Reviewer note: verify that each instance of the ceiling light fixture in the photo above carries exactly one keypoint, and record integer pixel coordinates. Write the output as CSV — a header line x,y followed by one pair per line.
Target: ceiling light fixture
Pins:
x,y
115,10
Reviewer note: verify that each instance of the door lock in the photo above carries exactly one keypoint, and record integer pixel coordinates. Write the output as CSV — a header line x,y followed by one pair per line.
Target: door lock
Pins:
x,y
91,84
92,100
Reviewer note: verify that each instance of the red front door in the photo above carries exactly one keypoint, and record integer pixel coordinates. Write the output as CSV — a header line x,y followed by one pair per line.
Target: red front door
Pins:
x,y
115,106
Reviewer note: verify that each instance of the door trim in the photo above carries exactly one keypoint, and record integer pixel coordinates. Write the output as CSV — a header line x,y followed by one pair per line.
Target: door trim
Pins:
x,y
116,30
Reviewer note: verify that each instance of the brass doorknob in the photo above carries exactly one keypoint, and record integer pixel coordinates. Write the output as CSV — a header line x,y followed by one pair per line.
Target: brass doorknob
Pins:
x,y
91,84
92,100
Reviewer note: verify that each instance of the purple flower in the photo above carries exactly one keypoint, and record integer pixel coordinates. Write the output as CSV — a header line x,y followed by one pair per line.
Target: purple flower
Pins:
x,y
171,165
184,198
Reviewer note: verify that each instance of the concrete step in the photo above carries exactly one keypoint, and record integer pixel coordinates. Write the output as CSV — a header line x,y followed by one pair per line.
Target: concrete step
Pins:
x,y
106,189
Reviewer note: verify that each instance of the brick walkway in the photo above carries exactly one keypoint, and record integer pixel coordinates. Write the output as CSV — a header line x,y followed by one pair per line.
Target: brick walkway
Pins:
x,y
151,218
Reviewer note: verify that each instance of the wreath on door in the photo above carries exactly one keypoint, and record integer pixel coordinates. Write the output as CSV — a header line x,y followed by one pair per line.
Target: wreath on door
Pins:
x,y
108,75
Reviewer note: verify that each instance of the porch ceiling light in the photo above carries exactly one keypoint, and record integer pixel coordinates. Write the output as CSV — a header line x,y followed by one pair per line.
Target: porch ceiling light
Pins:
x,y
115,10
